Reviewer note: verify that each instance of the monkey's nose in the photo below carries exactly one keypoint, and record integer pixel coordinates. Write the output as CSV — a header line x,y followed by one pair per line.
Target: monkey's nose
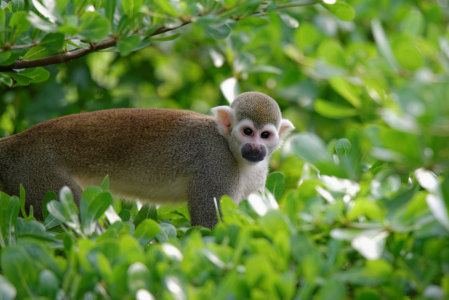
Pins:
x,y
254,152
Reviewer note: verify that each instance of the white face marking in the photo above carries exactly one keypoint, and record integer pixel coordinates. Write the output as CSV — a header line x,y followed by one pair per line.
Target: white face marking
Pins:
x,y
246,132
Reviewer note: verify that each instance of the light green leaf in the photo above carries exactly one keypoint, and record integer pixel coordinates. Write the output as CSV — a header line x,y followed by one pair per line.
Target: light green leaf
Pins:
x,y
345,89
131,7
146,231
333,110
254,22
341,10
167,7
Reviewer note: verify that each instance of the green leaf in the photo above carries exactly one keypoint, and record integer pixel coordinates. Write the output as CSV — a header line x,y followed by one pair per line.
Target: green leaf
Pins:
x,y
254,22
166,6
49,196
105,184
22,201
218,32
93,26
333,110
4,55
11,219
132,7
66,211
95,210
125,215
332,290
17,5
48,284
110,7
345,89
19,23
146,231
19,269
168,231
148,211
7,289
367,293
272,223
138,277
365,207
35,75
275,184
374,272
341,10
311,148
343,146
126,45
167,38
332,51
407,54
35,230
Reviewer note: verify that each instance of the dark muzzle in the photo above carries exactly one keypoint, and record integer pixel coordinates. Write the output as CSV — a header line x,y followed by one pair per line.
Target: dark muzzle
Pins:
x,y
254,152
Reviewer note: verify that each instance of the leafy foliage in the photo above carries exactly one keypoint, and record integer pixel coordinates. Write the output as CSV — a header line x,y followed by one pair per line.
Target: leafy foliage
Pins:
x,y
358,206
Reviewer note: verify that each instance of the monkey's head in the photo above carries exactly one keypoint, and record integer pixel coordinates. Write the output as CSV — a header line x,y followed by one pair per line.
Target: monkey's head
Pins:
x,y
253,126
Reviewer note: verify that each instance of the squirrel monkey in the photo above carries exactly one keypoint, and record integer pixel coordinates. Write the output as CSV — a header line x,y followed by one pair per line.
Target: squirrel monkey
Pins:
x,y
157,155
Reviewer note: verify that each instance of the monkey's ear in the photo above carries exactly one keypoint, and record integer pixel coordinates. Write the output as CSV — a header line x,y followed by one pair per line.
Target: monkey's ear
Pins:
x,y
285,128
223,118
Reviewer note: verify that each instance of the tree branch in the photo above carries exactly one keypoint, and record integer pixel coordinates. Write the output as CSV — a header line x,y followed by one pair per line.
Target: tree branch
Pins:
x,y
75,54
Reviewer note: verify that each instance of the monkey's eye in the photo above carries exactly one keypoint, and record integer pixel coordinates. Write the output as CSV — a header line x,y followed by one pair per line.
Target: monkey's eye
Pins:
x,y
247,131
265,135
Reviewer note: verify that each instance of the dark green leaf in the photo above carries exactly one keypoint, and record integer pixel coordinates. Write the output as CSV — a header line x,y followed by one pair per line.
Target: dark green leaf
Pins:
x,y
49,196
148,211
126,45
93,26
167,38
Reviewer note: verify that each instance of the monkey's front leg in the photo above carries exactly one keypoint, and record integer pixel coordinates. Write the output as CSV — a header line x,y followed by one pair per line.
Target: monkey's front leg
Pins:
x,y
201,194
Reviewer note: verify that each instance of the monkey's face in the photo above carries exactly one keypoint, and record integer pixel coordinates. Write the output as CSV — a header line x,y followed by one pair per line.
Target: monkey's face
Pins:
x,y
255,143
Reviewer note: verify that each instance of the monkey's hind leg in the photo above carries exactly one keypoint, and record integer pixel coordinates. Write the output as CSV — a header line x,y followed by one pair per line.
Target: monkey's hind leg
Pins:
x,y
37,184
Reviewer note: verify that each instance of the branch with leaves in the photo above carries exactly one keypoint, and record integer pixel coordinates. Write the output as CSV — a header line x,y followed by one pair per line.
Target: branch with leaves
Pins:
x,y
36,34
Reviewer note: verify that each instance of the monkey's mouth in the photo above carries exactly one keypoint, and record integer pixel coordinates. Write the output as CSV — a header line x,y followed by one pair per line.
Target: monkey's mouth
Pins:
x,y
254,153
